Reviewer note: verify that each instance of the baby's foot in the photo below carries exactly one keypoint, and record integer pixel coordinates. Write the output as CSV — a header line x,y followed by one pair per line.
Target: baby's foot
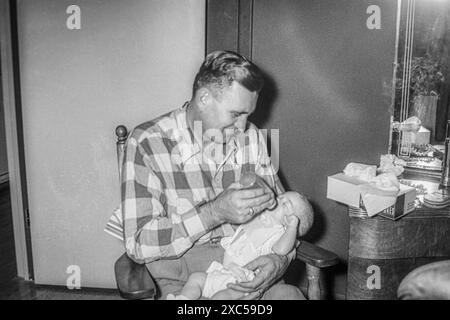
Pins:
x,y
171,296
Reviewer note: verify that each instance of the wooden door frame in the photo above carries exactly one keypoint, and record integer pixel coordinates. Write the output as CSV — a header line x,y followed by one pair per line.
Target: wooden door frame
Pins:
x,y
14,137
229,26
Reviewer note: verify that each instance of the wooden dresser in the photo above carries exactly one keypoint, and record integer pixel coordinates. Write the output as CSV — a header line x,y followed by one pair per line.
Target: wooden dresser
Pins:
x,y
393,249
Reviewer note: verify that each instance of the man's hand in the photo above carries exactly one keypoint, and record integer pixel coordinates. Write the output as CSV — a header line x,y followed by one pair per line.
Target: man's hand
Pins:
x,y
268,269
236,205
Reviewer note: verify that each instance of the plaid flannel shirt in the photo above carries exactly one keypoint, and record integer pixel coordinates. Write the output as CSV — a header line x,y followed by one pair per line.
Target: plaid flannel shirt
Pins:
x,y
167,178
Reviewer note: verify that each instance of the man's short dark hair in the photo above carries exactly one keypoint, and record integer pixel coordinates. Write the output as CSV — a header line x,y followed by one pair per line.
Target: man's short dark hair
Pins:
x,y
221,68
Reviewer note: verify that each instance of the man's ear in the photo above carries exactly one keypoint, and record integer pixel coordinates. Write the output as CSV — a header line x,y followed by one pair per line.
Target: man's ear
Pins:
x,y
204,98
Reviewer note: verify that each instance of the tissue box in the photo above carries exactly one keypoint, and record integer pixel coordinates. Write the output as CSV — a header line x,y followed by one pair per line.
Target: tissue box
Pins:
x,y
405,204
346,190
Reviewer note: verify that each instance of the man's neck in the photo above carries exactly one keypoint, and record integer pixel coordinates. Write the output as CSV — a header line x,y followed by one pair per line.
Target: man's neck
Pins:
x,y
192,115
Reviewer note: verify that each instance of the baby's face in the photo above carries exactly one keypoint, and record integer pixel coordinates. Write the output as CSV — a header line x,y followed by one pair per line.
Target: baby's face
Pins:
x,y
291,203
287,204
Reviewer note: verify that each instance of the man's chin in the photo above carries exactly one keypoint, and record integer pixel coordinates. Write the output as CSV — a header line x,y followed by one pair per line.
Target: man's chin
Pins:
x,y
215,139
224,139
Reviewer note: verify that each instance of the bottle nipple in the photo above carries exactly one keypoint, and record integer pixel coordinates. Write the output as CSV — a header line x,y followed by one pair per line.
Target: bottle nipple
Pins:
x,y
248,179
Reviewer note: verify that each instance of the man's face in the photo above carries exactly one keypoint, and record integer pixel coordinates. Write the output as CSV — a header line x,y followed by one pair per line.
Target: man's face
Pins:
x,y
229,111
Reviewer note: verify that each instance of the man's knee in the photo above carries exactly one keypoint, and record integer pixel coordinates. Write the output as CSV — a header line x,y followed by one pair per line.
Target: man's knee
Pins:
x,y
283,291
198,278
430,281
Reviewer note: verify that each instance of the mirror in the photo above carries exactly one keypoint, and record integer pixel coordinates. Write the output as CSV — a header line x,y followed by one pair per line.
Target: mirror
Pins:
x,y
421,83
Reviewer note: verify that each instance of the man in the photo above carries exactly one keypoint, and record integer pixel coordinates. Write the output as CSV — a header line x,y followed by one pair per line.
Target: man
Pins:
x,y
179,181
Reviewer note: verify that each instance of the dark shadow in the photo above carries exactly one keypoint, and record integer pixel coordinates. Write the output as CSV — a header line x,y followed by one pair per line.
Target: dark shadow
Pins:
x,y
266,105
266,101
8,265
296,273
264,110
283,180
319,226
329,276
296,276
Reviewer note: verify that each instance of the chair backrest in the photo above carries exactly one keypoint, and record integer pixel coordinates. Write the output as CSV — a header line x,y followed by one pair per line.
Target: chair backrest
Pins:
x,y
122,135
114,226
133,280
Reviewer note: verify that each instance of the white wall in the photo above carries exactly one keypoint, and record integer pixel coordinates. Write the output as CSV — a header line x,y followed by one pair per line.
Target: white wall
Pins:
x,y
130,62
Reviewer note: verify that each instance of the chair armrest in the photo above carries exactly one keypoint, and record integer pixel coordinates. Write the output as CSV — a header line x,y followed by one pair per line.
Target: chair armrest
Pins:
x,y
133,279
316,256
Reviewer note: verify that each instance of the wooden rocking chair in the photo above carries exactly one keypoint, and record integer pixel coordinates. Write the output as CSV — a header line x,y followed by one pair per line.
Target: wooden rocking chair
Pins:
x,y
135,282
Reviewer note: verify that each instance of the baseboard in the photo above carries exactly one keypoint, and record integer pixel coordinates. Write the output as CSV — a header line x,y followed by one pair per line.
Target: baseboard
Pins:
x,y
81,290
331,295
4,184
339,296
4,177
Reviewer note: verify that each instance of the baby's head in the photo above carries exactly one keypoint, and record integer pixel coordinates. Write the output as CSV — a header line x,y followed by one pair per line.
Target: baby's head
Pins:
x,y
293,203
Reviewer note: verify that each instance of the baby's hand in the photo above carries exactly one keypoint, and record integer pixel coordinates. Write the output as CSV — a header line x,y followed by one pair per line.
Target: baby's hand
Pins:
x,y
242,274
291,220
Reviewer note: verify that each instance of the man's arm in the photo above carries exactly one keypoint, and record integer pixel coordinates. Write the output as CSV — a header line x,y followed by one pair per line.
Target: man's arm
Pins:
x,y
271,267
150,234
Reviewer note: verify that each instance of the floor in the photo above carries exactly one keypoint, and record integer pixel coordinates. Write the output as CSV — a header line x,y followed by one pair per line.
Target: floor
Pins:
x,y
8,269
18,289
13,288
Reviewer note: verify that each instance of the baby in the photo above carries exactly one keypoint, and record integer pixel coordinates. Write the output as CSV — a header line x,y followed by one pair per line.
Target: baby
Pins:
x,y
272,231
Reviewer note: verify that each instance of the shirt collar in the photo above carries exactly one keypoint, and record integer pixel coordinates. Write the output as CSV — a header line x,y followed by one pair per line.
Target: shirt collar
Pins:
x,y
189,144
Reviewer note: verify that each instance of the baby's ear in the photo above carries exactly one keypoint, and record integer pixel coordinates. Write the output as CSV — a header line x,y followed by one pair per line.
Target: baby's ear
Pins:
x,y
291,220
